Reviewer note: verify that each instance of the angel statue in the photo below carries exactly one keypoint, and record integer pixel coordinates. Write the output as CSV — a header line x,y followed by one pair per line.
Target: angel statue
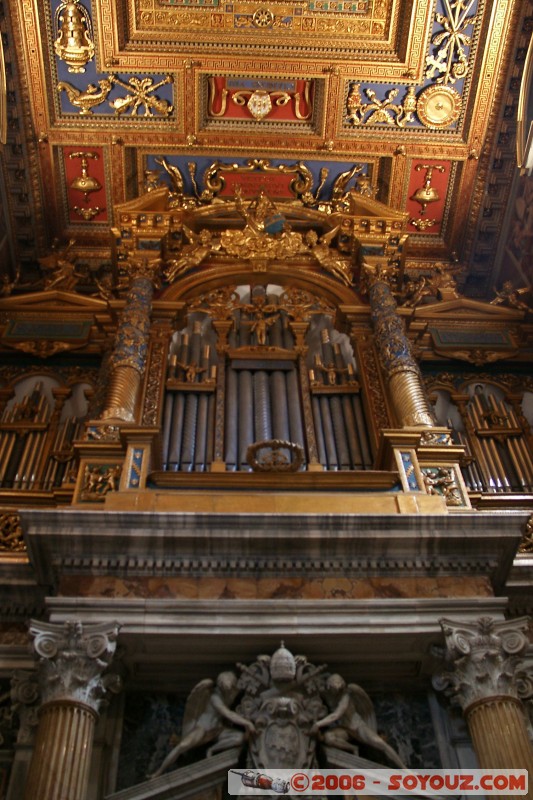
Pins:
x,y
206,710
352,709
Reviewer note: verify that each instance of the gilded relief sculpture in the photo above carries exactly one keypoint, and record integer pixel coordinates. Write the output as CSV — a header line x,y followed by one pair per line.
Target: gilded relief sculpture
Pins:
x,y
74,43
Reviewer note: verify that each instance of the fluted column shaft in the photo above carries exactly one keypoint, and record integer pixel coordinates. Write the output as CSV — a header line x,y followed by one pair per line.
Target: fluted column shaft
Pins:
x,y
406,387
59,768
131,344
499,735
72,660
489,669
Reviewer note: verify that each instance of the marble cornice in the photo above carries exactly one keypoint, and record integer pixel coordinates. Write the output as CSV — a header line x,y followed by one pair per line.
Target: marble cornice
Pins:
x,y
77,542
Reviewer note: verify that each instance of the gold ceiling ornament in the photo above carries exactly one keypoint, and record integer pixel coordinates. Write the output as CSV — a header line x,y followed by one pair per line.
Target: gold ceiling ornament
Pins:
x,y
263,18
141,94
85,183
450,61
88,213
74,43
439,106
91,97
427,193
258,101
380,112
422,224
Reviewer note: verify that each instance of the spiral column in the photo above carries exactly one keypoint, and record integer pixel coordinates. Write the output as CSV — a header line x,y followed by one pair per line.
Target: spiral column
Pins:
x,y
489,675
405,384
128,360
72,660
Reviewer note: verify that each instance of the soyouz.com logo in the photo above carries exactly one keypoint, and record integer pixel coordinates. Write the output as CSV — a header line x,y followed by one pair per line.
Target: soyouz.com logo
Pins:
x,y
383,781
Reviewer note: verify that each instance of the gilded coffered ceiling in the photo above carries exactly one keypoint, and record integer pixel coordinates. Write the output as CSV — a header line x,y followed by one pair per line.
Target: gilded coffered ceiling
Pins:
x,y
415,98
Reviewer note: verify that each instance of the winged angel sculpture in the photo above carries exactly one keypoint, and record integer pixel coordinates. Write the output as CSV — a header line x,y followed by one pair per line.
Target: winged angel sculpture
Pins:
x,y
285,707
205,712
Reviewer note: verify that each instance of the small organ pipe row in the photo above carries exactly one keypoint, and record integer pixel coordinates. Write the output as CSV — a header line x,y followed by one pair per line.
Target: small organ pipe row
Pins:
x,y
498,457
35,446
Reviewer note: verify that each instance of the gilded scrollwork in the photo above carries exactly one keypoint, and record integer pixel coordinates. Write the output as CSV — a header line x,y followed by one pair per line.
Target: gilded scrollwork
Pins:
x,y
88,214
259,101
11,539
450,62
141,95
380,112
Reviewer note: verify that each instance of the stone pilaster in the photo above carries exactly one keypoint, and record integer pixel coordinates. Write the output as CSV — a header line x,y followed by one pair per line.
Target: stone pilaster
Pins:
x,y
128,360
72,661
486,680
405,385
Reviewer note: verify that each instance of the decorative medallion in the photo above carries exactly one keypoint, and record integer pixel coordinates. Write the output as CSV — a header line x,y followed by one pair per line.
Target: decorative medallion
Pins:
x,y
259,105
263,18
438,106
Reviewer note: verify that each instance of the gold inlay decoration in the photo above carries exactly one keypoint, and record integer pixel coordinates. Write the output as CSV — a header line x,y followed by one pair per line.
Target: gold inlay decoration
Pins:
x,y
74,43
439,106
88,99
85,183
380,112
427,193
451,62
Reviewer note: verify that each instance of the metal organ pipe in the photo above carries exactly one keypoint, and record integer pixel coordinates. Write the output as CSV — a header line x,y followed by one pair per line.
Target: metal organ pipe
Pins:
x,y
246,414
262,413
231,423
201,422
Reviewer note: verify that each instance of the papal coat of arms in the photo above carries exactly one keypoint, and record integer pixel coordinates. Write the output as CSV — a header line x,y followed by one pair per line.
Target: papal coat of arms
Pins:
x,y
278,709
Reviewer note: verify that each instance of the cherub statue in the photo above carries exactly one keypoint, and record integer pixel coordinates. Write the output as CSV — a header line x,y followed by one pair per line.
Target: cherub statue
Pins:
x,y
192,254
352,708
206,710
60,271
508,296
191,370
329,259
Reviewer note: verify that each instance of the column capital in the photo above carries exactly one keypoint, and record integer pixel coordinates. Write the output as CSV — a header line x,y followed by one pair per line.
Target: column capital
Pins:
x,y
147,268
488,659
72,660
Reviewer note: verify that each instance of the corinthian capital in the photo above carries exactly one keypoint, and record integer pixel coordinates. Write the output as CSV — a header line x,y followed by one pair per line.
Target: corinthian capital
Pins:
x,y
72,660
488,659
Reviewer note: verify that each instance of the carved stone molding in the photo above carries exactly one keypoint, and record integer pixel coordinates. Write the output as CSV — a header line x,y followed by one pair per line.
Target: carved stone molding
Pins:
x,y
25,698
488,660
72,660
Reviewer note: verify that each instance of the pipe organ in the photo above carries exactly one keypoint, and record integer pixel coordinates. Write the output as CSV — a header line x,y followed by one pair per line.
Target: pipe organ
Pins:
x,y
273,389
36,439
489,422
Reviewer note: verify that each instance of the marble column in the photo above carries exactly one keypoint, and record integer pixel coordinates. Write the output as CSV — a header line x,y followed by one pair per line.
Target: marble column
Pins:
x,y
128,360
405,384
489,661
72,661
